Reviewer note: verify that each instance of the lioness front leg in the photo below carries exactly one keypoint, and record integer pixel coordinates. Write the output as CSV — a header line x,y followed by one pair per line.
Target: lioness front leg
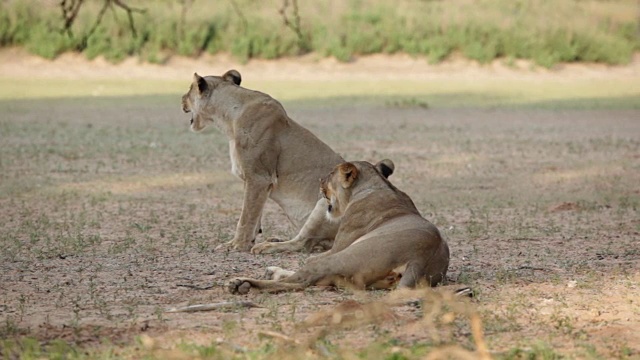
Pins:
x,y
316,229
255,197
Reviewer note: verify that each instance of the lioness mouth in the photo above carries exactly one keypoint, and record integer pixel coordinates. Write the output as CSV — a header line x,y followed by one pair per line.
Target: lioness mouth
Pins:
x,y
191,121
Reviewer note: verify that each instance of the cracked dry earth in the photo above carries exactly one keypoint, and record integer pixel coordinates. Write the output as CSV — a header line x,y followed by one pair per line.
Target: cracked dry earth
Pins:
x,y
106,224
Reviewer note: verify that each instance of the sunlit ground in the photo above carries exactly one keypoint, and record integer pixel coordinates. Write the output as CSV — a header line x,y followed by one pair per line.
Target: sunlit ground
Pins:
x,y
589,93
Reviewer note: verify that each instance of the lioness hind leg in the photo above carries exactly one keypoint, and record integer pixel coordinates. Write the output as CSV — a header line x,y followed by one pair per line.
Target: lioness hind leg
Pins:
x,y
242,286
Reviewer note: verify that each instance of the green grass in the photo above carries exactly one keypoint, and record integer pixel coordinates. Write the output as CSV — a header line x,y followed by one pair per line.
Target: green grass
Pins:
x,y
546,32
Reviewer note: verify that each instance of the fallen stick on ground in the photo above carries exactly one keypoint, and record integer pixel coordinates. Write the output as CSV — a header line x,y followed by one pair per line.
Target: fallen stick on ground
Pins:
x,y
275,335
214,306
196,287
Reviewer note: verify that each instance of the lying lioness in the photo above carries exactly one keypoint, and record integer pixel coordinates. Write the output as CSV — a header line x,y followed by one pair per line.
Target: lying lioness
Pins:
x,y
380,233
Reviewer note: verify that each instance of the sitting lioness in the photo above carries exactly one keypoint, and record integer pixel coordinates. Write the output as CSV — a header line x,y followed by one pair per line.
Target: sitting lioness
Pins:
x,y
381,233
274,156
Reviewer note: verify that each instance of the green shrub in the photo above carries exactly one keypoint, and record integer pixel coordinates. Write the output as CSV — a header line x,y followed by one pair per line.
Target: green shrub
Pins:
x,y
5,28
110,43
46,42
479,42
546,32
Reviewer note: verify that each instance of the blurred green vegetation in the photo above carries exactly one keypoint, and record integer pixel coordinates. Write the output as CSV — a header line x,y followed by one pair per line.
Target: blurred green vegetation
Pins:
x,y
544,31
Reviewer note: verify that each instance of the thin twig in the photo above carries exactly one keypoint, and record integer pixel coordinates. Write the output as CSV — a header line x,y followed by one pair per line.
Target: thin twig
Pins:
x,y
196,287
186,5
109,4
276,335
295,25
97,23
70,9
243,19
130,12
526,267
213,306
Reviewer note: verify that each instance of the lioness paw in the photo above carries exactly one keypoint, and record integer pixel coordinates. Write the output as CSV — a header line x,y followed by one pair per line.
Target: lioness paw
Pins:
x,y
238,286
242,247
234,245
263,248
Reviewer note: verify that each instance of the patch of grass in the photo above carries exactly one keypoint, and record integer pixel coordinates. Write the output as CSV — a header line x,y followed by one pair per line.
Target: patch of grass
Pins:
x,y
538,351
546,32
29,348
407,102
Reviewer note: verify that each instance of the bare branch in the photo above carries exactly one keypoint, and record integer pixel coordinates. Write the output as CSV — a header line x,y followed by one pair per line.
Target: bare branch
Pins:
x,y
130,12
96,24
70,9
196,287
243,19
226,305
295,25
186,5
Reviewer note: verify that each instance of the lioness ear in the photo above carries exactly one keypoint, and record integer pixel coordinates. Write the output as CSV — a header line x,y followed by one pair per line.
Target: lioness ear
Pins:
x,y
202,83
232,76
348,174
385,167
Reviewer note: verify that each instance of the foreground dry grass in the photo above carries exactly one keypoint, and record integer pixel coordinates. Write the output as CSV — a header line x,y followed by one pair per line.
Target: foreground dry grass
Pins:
x,y
110,211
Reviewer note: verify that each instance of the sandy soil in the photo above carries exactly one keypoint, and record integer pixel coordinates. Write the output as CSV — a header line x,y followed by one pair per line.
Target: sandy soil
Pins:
x,y
107,222
15,63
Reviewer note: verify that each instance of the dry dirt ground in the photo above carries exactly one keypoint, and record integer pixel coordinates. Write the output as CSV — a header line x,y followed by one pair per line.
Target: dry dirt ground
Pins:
x,y
110,212
17,63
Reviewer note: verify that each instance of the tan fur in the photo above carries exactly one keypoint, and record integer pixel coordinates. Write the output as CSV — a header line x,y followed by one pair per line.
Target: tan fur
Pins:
x,y
381,233
274,156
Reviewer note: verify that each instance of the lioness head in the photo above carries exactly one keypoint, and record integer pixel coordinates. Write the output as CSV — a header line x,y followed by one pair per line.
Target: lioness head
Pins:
x,y
197,100
339,185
